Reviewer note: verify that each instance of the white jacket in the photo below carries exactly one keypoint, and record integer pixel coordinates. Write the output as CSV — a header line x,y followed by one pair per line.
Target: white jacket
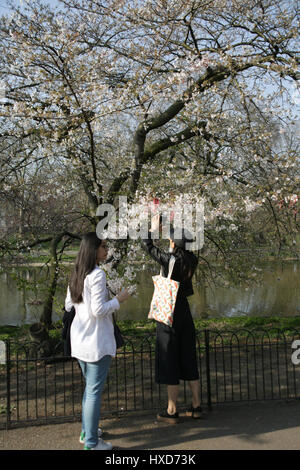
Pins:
x,y
92,330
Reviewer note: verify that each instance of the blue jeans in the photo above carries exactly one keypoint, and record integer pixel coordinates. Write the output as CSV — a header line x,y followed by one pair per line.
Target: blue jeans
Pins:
x,y
95,374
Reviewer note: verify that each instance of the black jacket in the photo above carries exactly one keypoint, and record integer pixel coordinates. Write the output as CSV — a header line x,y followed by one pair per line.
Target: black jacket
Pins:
x,y
163,258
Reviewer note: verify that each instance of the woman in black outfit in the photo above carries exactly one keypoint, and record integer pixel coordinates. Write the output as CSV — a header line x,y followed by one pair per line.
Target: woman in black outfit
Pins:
x,y
175,353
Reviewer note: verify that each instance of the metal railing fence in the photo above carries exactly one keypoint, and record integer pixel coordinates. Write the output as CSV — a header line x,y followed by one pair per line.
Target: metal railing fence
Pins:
x,y
234,366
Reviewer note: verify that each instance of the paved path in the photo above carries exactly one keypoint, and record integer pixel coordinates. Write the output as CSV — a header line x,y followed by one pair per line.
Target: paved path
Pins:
x,y
256,426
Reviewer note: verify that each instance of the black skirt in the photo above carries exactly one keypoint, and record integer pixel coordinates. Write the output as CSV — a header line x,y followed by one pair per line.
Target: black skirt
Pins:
x,y
175,352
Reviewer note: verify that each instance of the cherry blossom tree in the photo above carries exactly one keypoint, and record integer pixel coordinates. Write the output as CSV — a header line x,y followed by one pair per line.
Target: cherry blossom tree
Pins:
x,y
157,98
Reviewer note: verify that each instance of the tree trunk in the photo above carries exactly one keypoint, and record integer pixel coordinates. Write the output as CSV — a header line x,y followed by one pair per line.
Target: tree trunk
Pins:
x,y
46,317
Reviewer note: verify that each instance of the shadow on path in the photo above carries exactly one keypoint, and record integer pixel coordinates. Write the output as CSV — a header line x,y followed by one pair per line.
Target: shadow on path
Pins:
x,y
269,425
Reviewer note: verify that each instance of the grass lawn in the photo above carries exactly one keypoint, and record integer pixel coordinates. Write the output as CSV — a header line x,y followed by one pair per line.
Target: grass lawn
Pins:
x,y
139,329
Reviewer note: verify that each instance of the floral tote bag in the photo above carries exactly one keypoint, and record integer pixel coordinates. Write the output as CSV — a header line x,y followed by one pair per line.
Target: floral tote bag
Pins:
x,y
164,296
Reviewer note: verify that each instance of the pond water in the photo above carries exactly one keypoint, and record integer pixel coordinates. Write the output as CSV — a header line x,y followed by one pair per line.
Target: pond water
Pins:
x,y
278,294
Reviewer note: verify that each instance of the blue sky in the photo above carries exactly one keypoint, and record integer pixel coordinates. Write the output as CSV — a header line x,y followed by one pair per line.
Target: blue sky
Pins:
x,y
3,8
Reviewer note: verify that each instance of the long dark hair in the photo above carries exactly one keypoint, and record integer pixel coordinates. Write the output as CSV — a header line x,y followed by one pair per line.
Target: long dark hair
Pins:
x,y
188,262
85,263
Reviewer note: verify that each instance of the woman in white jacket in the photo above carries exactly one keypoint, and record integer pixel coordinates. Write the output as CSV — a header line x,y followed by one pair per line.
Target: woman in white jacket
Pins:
x,y
92,331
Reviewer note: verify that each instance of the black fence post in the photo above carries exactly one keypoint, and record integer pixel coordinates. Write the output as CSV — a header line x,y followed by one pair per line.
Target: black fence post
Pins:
x,y
7,355
207,358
